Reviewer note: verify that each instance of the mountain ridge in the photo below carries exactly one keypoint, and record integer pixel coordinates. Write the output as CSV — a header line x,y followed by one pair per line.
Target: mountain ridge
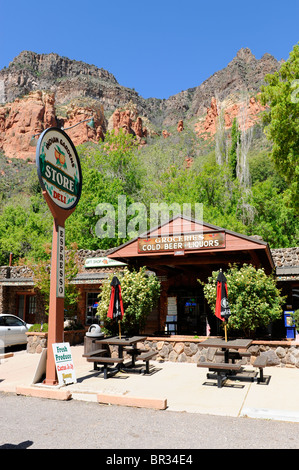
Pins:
x,y
69,79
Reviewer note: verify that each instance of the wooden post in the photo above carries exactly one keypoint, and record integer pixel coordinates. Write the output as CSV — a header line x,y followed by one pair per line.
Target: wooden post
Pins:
x,y
56,305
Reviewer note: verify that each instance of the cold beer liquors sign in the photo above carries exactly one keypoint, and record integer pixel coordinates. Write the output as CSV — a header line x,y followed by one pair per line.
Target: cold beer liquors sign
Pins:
x,y
59,169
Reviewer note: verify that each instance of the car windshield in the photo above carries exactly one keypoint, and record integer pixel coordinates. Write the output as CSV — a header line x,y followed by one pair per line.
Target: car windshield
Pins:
x,y
10,321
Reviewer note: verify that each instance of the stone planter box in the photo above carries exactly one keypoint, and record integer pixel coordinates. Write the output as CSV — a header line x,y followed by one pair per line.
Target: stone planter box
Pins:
x,y
187,349
37,341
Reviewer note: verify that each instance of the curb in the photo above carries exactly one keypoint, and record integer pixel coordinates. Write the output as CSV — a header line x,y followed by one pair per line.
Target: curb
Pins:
x,y
44,393
153,403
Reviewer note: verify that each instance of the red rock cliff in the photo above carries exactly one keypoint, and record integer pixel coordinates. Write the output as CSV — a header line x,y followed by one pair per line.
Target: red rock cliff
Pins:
x,y
35,112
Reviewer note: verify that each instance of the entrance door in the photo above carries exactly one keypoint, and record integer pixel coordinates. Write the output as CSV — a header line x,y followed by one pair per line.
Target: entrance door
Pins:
x,y
26,307
191,315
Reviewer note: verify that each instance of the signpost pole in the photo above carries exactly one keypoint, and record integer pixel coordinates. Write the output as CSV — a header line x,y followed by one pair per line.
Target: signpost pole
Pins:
x,y
60,176
56,310
56,304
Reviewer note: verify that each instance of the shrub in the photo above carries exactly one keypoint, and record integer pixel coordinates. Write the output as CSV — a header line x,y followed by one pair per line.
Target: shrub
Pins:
x,y
140,293
295,317
39,328
253,297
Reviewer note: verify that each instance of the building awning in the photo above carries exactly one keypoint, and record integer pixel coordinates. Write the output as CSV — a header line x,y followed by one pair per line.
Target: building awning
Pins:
x,y
90,278
184,243
17,282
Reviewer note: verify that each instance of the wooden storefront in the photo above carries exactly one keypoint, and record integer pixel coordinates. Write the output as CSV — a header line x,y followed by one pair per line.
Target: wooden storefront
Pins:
x,y
181,252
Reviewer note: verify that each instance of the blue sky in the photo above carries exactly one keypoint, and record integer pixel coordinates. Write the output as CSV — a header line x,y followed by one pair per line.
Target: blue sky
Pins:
x,y
159,48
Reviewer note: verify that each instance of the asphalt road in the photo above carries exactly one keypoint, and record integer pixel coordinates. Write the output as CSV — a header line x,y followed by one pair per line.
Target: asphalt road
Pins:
x,y
33,423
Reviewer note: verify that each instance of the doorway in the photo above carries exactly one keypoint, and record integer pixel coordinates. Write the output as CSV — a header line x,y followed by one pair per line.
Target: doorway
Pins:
x,y
192,319
26,307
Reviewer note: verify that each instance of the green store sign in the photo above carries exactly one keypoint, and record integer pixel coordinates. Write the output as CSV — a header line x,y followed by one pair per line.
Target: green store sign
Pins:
x,y
58,168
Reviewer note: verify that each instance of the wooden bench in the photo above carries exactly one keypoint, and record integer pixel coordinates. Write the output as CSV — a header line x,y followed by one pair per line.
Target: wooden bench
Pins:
x,y
145,357
220,368
104,361
261,362
97,352
131,350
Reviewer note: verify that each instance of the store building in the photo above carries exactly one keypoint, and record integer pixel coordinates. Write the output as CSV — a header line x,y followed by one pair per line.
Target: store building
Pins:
x,y
180,253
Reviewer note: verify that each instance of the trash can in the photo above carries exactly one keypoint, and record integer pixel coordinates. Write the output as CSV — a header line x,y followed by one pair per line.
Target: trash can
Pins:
x,y
94,332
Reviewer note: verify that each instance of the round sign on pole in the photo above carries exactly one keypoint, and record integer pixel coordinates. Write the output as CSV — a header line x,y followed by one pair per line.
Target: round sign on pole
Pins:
x,y
58,168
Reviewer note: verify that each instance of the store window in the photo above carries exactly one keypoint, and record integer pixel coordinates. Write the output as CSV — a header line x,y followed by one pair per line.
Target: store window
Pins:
x,y
91,308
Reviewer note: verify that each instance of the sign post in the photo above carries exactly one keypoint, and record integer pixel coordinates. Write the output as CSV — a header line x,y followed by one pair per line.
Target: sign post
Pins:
x,y
59,172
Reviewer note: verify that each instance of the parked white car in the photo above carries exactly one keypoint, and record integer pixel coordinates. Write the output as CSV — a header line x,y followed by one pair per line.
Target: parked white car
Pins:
x,y
12,330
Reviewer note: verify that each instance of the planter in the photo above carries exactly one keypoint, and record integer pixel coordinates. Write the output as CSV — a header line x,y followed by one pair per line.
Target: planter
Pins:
x,y
36,342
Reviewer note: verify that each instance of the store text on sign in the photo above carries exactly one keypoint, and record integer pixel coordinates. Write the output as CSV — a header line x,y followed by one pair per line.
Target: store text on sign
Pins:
x,y
190,241
59,169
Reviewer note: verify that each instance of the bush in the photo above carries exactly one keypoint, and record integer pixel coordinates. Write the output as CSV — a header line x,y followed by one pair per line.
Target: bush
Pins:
x,y
38,328
295,317
253,297
140,293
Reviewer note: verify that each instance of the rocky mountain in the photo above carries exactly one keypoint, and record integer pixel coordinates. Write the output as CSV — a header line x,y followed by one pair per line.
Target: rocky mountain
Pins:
x,y
38,90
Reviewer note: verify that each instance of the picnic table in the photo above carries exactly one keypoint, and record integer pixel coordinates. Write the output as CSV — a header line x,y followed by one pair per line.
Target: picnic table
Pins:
x,y
229,369
128,344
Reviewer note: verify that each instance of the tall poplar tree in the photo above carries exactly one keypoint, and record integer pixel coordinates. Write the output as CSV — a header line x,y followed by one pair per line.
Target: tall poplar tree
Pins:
x,y
282,95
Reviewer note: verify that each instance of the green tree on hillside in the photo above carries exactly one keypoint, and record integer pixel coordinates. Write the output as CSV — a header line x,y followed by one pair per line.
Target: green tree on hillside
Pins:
x,y
110,169
235,141
282,95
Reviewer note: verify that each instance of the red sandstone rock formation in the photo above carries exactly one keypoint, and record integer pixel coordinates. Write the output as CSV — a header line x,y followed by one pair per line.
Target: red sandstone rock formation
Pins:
x,y
165,134
252,110
35,112
180,127
83,132
23,118
130,122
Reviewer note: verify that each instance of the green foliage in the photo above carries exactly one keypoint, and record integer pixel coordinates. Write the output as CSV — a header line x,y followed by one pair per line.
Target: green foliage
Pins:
x,y
253,297
282,120
37,327
41,272
140,293
295,317
110,169
275,217
235,140
156,173
24,229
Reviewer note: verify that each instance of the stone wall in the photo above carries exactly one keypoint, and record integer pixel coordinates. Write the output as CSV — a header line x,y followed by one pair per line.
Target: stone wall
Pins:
x,y
278,353
37,341
186,349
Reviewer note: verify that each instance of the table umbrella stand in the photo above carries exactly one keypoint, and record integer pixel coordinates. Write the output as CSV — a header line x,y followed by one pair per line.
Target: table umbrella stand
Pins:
x,y
116,309
225,331
222,310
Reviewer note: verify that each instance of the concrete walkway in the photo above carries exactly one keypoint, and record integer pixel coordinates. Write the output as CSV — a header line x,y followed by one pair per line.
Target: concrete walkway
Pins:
x,y
171,386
